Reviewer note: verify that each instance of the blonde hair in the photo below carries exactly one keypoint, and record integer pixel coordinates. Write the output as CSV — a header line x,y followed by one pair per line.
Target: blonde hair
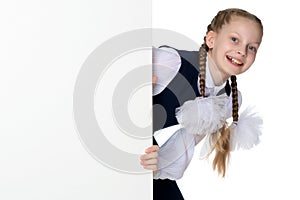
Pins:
x,y
222,143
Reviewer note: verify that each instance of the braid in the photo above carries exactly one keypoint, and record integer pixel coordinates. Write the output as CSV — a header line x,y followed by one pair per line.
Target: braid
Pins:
x,y
235,103
202,64
224,17
222,147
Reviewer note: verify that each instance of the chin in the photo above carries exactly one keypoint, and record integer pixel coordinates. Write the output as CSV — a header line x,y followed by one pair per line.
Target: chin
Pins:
x,y
234,71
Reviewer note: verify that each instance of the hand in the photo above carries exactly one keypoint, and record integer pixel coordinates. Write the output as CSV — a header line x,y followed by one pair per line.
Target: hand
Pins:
x,y
149,160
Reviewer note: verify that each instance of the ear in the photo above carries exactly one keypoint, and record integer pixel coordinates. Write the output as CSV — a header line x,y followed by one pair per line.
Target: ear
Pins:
x,y
210,39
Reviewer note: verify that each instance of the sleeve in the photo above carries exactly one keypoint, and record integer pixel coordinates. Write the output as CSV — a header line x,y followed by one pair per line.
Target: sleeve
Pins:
x,y
166,63
162,136
175,155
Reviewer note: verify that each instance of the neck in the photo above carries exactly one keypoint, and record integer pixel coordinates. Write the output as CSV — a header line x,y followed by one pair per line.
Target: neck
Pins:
x,y
218,77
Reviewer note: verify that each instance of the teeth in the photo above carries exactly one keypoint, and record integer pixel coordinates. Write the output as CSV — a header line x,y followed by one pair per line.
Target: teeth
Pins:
x,y
235,61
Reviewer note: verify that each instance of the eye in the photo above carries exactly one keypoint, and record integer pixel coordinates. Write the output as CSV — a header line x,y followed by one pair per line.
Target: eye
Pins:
x,y
234,39
252,48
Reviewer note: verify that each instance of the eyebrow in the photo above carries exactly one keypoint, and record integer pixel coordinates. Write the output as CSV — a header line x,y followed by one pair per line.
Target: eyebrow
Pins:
x,y
249,42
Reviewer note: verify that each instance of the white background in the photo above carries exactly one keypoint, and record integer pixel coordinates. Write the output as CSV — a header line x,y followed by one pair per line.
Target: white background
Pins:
x,y
270,170
43,45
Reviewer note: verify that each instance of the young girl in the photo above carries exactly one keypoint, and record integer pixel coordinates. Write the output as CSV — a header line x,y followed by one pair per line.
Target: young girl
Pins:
x,y
192,100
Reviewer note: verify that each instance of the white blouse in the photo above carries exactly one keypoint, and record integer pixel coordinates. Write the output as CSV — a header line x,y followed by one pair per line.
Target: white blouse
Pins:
x,y
176,146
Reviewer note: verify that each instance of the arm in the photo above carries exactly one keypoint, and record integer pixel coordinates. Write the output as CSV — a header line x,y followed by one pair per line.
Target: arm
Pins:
x,y
175,156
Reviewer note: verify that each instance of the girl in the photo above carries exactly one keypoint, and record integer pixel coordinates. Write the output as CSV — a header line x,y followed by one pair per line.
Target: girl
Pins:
x,y
191,97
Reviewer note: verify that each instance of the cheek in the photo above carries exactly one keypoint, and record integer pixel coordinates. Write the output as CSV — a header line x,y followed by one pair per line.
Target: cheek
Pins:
x,y
249,63
250,59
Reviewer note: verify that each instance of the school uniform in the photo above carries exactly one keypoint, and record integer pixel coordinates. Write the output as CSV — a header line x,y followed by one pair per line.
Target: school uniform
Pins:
x,y
178,82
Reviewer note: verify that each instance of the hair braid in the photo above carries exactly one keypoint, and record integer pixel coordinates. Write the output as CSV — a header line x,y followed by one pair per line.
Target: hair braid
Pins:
x,y
222,147
202,64
224,17
235,103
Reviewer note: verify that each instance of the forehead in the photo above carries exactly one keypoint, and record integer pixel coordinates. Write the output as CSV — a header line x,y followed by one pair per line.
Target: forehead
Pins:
x,y
243,26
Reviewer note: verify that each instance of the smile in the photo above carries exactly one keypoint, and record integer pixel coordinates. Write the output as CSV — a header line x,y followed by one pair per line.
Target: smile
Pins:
x,y
234,61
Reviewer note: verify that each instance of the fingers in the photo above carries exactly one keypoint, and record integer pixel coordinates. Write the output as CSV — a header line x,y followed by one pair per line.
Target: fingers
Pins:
x,y
152,148
149,160
151,167
148,156
154,79
150,163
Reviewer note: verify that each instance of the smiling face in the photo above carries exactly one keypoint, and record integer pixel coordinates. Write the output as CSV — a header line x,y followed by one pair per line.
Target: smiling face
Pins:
x,y
233,48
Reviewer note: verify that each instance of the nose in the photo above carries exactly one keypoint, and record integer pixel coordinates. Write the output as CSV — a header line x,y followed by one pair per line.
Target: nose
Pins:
x,y
241,51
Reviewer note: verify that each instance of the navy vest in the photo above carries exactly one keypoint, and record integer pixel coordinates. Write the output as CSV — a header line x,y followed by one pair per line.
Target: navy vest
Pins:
x,y
182,88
